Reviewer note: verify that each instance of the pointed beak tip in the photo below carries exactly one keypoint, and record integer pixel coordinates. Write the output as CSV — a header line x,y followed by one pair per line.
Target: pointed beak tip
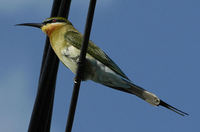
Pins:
x,y
37,25
18,25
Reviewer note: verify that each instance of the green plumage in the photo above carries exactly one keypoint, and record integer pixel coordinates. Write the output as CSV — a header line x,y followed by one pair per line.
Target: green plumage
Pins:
x,y
75,39
66,42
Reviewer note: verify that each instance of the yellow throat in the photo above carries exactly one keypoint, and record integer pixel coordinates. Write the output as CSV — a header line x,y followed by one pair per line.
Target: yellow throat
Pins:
x,y
49,28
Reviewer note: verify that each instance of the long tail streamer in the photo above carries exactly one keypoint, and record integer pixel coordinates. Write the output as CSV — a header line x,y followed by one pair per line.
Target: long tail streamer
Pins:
x,y
162,103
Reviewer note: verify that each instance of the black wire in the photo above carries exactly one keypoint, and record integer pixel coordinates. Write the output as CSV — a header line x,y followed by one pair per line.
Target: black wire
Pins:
x,y
64,8
54,12
42,112
80,69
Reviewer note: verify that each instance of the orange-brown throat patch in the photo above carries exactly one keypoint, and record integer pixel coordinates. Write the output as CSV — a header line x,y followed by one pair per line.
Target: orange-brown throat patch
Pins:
x,y
49,28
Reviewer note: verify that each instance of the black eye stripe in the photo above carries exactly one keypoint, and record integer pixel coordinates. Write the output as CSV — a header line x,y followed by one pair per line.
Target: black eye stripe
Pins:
x,y
60,20
45,22
53,21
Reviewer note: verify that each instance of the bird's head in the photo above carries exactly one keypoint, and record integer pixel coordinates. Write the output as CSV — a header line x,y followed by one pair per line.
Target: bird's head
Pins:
x,y
49,24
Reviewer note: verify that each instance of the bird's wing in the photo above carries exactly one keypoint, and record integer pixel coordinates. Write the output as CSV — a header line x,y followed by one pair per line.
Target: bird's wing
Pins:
x,y
75,39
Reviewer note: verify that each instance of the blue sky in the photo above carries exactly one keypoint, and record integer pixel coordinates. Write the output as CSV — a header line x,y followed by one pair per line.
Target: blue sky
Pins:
x,y
156,43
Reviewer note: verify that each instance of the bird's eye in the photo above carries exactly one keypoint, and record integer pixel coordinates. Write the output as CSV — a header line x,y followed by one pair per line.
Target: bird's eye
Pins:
x,y
54,20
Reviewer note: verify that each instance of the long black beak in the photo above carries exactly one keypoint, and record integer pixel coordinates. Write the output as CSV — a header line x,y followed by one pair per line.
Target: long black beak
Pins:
x,y
37,25
162,103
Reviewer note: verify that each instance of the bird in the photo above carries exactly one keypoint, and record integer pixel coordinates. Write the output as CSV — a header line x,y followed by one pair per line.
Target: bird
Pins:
x,y
66,42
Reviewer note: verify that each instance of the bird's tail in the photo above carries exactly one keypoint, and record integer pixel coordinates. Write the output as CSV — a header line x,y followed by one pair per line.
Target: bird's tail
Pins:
x,y
152,98
162,103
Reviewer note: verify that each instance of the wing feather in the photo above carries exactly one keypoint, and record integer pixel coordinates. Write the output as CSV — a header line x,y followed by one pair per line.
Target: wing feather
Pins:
x,y
75,39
